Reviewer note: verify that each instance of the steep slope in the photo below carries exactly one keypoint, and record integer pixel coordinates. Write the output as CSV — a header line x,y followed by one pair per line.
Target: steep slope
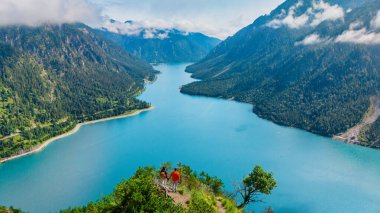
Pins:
x,y
55,76
298,66
160,45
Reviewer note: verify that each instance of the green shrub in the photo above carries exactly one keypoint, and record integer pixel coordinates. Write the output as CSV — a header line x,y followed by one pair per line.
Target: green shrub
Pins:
x,y
4,209
201,202
138,194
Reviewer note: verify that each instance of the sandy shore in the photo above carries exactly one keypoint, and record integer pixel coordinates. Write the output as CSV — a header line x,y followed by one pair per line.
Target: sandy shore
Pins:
x,y
76,128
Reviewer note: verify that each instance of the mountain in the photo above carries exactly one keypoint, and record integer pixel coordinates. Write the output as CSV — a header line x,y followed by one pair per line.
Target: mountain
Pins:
x,y
309,64
54,76
157,45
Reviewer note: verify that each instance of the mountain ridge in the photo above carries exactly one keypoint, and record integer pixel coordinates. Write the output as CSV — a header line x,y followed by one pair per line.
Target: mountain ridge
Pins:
x,y
159,45
296,74
54,76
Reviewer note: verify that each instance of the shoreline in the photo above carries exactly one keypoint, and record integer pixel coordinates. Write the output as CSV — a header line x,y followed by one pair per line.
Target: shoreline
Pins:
x,y
337,138
44,144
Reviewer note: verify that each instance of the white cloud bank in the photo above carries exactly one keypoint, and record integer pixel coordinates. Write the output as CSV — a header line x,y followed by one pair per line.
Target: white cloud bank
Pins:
x,y
359,35
313,39
375,23
319,12
356,34
217,18
290,19
36,12
148,29
323,11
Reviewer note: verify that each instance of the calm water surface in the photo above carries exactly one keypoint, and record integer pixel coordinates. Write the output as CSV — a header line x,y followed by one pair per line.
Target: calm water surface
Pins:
x,y
314,174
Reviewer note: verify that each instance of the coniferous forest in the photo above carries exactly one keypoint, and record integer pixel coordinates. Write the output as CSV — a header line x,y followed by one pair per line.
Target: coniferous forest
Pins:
x,y
324,88
54,76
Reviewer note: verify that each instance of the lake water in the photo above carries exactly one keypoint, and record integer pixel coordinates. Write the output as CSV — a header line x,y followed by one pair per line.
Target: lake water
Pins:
x,y
224,138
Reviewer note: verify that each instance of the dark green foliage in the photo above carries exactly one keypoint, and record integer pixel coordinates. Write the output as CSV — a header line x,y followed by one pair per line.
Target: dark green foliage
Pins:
x,y
324,88
52,77
214,183
138,194
257,182
200,204
372,135
29,139
193,180
177,47
4,209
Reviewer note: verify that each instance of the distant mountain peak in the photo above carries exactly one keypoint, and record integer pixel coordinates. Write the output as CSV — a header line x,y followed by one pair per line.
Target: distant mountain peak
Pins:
x,y
158,42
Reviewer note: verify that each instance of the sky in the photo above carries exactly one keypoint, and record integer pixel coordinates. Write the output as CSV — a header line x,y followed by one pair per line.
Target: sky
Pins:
x,y
218,18
37,12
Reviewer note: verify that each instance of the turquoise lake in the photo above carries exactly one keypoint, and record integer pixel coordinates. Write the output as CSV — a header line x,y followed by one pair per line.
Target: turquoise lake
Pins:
x,y
223,138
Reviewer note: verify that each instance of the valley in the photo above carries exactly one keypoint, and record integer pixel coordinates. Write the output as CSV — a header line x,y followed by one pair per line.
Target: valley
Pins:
x,y
303,75
94,112
54,77
224,138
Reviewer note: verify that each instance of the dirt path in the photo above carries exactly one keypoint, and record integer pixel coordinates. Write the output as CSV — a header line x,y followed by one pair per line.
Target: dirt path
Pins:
x,y
352,135
183,200
220,206
9,136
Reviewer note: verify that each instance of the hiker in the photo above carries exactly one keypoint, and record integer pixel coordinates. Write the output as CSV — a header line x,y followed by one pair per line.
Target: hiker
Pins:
x,y
176,177
164,176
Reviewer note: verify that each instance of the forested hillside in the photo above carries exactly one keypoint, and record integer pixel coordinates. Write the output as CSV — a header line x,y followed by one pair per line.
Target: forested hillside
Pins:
x,y
309,64
159,45
53,77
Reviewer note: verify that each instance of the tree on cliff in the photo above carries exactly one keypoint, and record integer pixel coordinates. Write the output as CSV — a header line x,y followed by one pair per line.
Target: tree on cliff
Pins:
x,y
256,183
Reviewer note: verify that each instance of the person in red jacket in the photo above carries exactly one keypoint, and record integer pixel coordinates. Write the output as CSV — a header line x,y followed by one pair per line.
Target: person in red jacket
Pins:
x,y
176,177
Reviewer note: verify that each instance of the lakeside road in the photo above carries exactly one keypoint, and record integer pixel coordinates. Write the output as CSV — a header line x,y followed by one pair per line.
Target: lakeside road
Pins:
x,y
74,130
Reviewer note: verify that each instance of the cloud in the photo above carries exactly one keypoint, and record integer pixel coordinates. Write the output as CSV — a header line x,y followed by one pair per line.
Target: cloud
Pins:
x,y
148,29
313,39
155,34
319,12
323,11
375,23
290,20
36,12
164,35
136,27
217,18
356,25
359,34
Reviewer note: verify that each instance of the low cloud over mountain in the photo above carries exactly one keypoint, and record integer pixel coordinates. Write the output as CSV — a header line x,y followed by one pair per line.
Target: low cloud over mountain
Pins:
x,y
357,33
319,12
36,12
